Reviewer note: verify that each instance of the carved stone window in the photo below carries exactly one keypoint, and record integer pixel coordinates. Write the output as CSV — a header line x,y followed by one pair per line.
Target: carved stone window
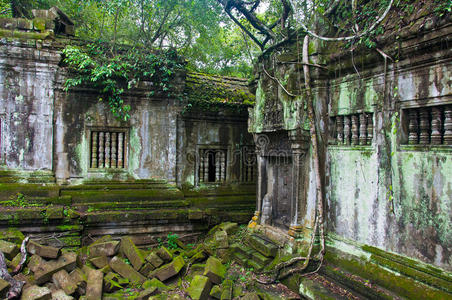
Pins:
x,y
108,149
428,125
353,129
248,165
212,165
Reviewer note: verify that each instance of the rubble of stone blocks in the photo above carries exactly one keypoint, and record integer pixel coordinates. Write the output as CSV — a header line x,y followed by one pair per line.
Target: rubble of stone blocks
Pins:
x,y
117,269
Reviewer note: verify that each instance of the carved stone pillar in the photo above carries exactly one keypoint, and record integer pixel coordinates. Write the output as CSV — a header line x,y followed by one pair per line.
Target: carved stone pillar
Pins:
x,y
94,149
436,126
448,125
355,130
101,161
114,150
340,129
413,128
347,129
107,150
363,129
120,150
424,126
370,128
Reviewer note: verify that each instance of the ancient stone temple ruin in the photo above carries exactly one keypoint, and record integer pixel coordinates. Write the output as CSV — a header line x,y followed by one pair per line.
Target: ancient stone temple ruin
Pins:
x,y
70,169
170,168
385,151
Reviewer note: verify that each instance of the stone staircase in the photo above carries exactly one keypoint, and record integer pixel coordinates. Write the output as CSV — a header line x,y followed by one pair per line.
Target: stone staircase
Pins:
x,y
257,252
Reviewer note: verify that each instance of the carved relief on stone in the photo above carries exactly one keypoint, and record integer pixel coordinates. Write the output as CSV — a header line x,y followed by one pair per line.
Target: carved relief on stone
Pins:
x,y
266,209
448,125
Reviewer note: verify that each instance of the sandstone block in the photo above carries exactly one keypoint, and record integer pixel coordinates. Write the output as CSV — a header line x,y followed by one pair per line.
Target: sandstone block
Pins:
x,y
4,287
154,282
221,239
250,296
67,261
34,262
99,262
215,270
111,282
263,246
215,292
94,286
109,248
155,260
125,270
146,269
226,291
131,251
169,270
41,250
61,295
144,295
35,292
9,249
199,288
164,254
63,281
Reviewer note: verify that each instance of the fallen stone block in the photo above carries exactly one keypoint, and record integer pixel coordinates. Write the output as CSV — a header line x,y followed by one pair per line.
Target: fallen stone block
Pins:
x,y
67,261
99,262
169,270
111,282
109,248
4,287
155,260
35,292
221,239
215,292
34,263
79,279
215,270
63,281
125,270
146,269
164,254
130,250
94,285
61,295
226,291
144,295
154,282
265,247
9,249
43,251
229,227
199,288
250,296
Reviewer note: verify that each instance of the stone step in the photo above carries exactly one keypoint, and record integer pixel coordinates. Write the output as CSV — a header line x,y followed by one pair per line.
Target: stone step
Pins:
x,y
356,283
316,287
263,245
138,205
241,259
242,249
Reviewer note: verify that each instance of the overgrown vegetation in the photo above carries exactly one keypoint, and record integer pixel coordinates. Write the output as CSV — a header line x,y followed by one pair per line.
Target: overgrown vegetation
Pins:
x,y
96,66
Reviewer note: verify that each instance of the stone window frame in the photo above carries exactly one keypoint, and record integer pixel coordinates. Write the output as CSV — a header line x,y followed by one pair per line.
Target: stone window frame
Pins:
x,y
215,147
425,143
359,142
126,146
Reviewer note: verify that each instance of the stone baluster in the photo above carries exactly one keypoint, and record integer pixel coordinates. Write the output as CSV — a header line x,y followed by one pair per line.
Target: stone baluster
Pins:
x,y
340,129
355,130
223,165
424,126
448,125
107,149
436,126
363,129
370,128
217,167
347,130
113,149
413,128
94,149
101,150
120,150
207,158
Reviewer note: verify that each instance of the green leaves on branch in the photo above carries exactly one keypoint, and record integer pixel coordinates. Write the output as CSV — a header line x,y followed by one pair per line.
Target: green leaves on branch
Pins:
x,y
94,66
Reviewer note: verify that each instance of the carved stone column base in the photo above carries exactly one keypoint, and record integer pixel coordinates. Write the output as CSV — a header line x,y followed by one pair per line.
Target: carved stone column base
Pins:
x,y
254,220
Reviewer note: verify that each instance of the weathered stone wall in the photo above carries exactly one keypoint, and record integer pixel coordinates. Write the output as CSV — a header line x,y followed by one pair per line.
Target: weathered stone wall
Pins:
x,y
391,188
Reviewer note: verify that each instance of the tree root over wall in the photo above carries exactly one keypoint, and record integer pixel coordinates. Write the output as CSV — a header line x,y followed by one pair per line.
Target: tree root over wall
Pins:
x,y
16,285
